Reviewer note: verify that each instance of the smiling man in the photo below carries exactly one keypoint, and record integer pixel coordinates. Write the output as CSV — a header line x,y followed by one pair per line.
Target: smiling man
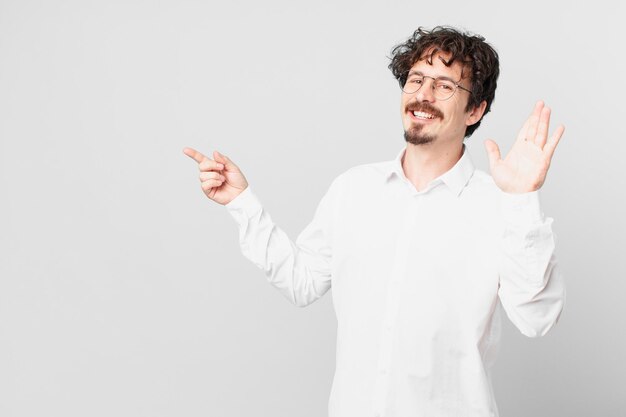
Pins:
x,y
421,251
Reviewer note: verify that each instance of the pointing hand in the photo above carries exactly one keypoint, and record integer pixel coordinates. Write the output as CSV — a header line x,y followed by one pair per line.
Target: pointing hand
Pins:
x,y
221,179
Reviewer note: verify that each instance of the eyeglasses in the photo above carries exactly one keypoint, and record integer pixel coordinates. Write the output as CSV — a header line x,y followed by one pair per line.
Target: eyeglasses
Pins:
x,y
443,88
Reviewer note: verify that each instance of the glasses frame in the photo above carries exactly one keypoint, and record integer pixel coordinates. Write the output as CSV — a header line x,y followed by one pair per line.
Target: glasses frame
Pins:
x,y
433,84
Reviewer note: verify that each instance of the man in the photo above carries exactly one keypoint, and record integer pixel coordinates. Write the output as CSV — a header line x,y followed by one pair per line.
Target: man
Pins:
x,y
419,250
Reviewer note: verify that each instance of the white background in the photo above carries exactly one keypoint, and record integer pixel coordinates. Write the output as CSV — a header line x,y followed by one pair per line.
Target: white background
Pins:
x,y
122,288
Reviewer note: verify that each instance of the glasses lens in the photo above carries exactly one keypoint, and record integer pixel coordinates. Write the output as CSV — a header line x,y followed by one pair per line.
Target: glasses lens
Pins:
x,y
444,89
412,84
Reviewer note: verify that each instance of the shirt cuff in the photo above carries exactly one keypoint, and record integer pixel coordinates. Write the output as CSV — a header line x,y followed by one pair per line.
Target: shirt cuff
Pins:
x,y
521,208
246,204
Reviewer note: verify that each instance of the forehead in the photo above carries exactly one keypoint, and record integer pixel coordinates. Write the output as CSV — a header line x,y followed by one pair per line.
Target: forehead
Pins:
x,y
436,65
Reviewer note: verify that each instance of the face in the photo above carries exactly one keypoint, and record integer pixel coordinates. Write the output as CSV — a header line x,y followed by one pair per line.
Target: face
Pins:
x,y
426,119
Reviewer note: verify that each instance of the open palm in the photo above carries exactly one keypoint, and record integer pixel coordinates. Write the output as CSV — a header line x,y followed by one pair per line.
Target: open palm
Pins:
x,y
525,167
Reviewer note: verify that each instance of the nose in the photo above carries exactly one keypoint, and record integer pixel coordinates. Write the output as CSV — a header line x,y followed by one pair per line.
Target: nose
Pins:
x,y
426,93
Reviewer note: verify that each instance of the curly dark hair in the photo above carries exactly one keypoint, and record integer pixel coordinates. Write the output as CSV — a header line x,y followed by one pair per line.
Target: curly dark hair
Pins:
x,y
471,50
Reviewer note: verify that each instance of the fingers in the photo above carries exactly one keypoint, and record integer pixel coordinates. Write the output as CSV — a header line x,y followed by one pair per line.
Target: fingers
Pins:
x,y
204,163
210,165
208,185
542,129
195,155
211,175
211,180
540,137
493,152
533,122
521,135
554,140
536,128
230,165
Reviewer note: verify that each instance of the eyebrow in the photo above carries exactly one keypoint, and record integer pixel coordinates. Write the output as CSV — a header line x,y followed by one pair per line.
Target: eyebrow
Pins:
x,y
438,78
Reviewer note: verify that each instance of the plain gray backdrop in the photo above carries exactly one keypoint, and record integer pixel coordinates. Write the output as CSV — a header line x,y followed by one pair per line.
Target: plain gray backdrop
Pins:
x,y
123,291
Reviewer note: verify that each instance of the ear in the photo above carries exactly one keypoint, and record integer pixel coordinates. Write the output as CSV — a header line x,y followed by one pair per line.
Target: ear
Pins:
x,y
476,113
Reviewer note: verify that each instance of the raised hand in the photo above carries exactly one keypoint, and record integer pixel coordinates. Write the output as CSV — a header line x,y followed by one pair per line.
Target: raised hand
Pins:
x,y
525,167
221,179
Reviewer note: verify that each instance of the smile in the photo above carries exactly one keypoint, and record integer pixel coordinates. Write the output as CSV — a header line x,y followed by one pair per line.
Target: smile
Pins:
x,y
423,115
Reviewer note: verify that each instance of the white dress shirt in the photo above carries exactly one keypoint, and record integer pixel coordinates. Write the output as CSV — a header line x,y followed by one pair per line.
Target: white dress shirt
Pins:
x,y
417,281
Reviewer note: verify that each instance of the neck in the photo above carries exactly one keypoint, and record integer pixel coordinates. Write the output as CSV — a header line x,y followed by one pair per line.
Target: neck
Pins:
x,y
423,163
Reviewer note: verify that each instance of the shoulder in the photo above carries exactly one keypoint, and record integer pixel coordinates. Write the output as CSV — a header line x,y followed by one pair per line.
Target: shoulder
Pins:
x,y
481,189
359,180
482,180
364,173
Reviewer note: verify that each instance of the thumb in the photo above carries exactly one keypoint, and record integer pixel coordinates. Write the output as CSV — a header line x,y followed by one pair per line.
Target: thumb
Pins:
x,y
493,152
228,164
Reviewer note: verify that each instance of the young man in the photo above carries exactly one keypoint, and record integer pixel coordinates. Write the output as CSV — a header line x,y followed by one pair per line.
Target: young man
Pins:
x,y
419,250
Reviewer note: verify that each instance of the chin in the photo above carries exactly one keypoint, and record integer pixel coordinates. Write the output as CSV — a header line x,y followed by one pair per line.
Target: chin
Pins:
x,y
415,137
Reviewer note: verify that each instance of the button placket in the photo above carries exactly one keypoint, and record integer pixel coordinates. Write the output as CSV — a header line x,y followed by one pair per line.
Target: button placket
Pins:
x,y
387,334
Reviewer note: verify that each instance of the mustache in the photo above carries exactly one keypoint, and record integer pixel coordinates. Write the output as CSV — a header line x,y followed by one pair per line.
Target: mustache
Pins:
x,y
424,107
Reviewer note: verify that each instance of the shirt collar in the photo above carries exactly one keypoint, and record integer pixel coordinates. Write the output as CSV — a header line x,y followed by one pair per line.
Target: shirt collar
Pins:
x,y
456,178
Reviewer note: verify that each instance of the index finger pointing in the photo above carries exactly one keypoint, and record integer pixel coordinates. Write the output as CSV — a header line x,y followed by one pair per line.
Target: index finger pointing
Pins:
x,y
195,155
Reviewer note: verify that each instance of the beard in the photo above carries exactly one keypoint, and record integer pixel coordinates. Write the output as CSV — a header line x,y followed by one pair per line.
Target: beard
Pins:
x,y
415,136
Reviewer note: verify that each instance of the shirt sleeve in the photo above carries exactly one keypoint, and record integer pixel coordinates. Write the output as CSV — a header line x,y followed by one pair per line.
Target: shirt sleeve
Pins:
x,y
301,271
531,290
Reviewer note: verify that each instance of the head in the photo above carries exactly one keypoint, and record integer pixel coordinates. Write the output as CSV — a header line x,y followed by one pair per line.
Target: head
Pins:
x,y
447,54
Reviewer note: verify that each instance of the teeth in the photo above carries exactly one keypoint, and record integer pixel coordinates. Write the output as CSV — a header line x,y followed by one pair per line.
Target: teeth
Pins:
x,y
423,115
